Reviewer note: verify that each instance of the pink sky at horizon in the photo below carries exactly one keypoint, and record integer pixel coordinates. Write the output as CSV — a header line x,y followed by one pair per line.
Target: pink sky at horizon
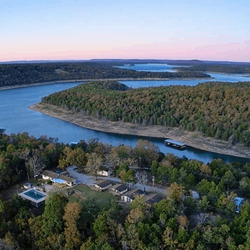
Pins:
x,y
217,52
216,30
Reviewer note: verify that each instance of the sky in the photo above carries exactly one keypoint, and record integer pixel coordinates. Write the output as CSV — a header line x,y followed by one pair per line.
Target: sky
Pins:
x,y
125,29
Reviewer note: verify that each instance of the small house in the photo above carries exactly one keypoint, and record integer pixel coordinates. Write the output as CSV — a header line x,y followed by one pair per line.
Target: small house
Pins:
x,y
119,189
238,201
131,195
103,184
60,178
103,173
49,175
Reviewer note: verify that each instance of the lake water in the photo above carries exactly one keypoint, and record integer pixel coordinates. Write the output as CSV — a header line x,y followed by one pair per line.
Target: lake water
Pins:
x,y
151,67
169,68
16,117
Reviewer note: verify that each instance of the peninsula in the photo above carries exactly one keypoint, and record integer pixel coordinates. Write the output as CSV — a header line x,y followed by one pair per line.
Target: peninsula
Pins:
x,y
111,107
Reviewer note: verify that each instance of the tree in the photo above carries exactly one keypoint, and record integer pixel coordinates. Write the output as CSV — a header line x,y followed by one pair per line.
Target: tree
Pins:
x,y
176,192
228,179
112,160
135,215
168,238
142,178
53,214
226,204
183,221
245,185
5,246
100,225
71,217
190,204
94,163
241,223
10,241
37,163
71,156
203,204
146,152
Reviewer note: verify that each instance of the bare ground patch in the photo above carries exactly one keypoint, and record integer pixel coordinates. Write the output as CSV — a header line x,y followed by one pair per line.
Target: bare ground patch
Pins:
x,y
193,139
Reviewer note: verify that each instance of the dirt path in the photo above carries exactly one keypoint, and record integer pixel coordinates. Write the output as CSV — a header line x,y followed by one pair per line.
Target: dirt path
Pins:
x,y
193,139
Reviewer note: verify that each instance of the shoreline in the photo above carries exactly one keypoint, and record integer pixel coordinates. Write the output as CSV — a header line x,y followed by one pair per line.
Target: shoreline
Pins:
x,y
192,139
94,80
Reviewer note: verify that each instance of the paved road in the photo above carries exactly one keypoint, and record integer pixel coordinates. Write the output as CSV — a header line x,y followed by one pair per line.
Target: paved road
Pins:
x,y
90,180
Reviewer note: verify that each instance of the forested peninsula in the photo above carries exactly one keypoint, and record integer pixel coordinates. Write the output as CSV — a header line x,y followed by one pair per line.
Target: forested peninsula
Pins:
x,y
211,113
30,73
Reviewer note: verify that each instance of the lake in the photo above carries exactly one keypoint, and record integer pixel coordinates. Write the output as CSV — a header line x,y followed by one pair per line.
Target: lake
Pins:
x,y
16,117
169,68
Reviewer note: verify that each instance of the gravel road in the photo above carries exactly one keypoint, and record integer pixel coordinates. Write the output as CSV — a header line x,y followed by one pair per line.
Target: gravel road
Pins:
x,y
90,180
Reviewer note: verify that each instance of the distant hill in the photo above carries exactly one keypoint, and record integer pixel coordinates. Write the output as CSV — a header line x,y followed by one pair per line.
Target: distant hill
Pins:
x,y
24,73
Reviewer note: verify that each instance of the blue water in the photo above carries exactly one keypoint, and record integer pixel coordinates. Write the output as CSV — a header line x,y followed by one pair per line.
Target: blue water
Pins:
x,y
169,68
16,117
35,194
150,67
58,180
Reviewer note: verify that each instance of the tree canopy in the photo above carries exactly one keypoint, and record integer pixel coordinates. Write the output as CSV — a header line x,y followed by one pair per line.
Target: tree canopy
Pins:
x,y
219,110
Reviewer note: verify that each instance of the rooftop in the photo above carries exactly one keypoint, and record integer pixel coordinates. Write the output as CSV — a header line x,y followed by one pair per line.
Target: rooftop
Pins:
x,y
119,187
134,192
103,183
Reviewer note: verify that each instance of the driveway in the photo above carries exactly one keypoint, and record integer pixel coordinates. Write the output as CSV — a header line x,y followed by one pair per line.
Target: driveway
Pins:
x,y
89,180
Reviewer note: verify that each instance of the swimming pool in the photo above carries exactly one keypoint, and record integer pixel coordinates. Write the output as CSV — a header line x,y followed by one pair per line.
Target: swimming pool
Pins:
x,y
34,194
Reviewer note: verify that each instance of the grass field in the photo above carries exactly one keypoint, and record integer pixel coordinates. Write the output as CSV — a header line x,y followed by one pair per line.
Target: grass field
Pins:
x,y
103,199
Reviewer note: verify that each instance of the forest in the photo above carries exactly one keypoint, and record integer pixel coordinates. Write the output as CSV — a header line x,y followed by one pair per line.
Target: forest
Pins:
x,y
217,109
178,221
29,73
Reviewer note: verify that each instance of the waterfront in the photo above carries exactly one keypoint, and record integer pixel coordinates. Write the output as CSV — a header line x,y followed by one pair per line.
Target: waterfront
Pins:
x,y
16,117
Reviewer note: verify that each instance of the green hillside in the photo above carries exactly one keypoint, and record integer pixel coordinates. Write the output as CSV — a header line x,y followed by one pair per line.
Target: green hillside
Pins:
x,y
220,110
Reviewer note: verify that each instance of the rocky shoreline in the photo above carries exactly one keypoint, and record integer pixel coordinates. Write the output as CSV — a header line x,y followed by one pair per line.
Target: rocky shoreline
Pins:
x,y
193,139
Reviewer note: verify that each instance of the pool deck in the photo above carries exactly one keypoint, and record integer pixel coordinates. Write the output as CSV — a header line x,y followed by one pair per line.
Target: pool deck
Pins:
x,y
36,201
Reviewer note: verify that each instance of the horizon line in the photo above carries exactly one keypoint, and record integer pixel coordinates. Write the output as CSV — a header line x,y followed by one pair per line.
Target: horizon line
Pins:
x,y
116,59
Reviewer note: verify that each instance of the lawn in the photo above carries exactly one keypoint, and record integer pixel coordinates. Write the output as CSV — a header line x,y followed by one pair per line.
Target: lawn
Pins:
x,y
103,199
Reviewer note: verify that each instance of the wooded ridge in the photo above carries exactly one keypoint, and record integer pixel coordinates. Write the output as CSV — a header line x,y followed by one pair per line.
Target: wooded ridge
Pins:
x,y
219,110
30,73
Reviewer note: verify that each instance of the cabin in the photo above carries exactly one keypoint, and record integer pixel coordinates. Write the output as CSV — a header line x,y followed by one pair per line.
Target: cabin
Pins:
x,y
119,189
175,144
60,178
132,194
238,201
103,185
103,172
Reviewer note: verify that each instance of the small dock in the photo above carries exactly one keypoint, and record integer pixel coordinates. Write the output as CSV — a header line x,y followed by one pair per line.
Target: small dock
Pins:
x,y
175,144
